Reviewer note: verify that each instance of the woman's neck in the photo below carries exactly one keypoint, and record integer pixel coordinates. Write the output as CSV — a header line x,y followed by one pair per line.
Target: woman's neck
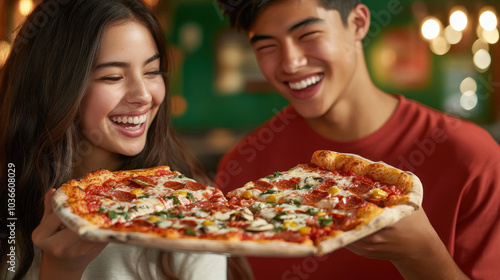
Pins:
x,y
97,159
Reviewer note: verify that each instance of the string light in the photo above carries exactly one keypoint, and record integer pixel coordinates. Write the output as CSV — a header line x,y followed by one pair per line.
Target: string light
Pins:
x,y
25,7
488,20
4,52
431,28
458,20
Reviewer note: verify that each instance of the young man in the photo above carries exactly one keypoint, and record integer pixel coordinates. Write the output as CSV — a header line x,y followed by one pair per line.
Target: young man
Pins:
x,y
311,53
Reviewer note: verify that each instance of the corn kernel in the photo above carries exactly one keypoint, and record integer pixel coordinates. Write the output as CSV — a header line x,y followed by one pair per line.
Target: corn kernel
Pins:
x,y
107,200
271,198
207,223
379,194
304,230
136,191
333,190
320,214
181,192
246,194
289,224
153,219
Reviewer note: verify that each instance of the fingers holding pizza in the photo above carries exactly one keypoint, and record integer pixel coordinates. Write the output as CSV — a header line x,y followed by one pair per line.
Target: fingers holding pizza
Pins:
x,y
64,252
413,246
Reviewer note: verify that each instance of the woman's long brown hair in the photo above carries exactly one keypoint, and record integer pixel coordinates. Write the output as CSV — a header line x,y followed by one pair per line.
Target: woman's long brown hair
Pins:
x,y
41,86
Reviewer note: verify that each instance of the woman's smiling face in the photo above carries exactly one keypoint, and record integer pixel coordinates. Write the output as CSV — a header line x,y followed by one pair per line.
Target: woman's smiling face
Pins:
x,y
125,92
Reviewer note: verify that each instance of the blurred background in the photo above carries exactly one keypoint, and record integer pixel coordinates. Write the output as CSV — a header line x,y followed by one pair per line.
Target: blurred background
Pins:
x,y
439,52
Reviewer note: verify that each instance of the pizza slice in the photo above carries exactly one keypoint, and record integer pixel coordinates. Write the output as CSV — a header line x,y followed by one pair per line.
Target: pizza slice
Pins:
x,y
103,198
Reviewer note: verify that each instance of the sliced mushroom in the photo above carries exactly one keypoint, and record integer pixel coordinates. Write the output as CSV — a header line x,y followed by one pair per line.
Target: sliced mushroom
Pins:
x,y
210,228
312,181
243,215
259,225
222,216
288,217
177,226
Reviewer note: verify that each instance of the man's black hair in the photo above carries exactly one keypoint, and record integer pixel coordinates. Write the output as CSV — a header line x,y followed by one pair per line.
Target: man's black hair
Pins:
x,y
242,13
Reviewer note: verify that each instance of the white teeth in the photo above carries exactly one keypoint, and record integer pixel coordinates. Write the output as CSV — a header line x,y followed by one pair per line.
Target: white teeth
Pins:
x,y
305,83
133,127
137,120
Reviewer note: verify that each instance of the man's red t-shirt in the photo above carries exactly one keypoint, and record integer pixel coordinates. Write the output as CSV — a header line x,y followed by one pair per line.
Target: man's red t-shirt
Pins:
x,y
457,162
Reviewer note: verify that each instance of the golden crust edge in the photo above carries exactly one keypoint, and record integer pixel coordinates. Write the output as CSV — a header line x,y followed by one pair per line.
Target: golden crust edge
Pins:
x,y
378,170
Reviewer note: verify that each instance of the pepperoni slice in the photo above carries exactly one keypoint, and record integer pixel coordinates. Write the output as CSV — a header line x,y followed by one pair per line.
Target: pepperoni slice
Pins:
x,y
351,202
283,184
194,186
122,196
361,186
262,185
109,183
325,186
173,185
189,223
162,172
139,180
393,190
315,195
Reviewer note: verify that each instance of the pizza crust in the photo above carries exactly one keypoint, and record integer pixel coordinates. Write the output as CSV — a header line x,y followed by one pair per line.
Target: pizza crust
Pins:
x,y
379,171
272,248
63,210
389,217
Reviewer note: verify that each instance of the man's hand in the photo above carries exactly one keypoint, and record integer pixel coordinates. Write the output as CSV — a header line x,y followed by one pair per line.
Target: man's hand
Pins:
x,y
413,246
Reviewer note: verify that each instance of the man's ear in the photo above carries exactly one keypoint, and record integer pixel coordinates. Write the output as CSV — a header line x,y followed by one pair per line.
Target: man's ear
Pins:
x,y
360,20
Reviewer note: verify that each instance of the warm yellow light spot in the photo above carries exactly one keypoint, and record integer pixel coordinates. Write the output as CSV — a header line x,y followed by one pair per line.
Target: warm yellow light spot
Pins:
x,y
468,100
4,52
491,36
458,20
482,59
468,84
452,36
488,20
431,28
25,7
440,46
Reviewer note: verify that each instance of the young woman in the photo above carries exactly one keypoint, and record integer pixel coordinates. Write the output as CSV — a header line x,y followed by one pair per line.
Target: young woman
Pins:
x,y
85,87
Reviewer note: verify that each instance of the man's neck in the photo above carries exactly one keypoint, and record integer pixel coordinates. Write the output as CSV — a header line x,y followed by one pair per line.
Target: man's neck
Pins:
x,y
357,114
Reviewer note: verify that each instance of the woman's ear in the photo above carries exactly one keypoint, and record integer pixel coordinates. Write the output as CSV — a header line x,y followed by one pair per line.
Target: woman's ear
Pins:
x,y
360,19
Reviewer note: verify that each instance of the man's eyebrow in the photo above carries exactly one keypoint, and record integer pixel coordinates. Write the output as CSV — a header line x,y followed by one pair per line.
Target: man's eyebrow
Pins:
x,y
304,22
294,27
124,64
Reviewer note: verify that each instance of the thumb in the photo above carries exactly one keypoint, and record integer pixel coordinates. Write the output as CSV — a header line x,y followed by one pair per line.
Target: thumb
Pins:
x,y
48,202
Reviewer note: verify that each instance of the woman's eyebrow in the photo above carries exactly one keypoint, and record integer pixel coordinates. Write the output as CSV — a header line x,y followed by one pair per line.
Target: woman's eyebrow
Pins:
x,y
124,64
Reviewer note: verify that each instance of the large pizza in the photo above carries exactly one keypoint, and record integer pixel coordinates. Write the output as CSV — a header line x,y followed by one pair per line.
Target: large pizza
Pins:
x,y
312,208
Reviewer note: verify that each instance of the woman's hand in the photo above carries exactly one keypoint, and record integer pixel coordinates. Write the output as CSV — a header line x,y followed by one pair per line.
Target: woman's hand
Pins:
x,y
65,255
413,246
